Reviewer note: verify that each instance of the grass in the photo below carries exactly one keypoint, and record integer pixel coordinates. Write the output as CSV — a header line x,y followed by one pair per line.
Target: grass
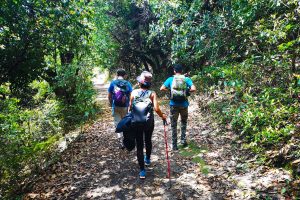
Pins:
x,y
192,151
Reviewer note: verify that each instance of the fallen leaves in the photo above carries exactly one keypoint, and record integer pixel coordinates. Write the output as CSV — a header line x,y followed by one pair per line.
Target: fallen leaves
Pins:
x,y
93,167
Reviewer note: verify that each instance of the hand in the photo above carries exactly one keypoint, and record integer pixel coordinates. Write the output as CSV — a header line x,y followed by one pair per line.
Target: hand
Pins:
x,y
188,92
165,122
187,74
164,116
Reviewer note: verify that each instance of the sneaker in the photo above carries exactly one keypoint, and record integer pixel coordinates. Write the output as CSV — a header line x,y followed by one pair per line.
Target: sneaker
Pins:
x,y
142,174
147,161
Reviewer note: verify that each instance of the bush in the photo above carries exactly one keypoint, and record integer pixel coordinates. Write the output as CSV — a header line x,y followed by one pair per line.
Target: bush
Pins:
x,y
28,134
25,136
76,94
260,104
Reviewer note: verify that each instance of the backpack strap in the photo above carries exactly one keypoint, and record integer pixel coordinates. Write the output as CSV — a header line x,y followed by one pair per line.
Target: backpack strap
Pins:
x,y
146,93
120,82
123,85
141,95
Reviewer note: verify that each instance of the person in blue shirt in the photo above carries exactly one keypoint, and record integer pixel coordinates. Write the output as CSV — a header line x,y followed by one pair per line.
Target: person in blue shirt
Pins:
x,y
180,87
118,95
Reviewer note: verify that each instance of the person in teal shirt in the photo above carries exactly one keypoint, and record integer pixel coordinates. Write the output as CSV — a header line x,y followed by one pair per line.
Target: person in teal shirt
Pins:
x,y
178,106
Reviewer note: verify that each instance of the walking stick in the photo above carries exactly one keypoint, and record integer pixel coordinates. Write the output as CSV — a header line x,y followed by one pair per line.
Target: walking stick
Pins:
x,y
167,152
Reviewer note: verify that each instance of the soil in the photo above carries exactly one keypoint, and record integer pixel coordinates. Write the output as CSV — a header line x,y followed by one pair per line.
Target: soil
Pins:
x,y
93,166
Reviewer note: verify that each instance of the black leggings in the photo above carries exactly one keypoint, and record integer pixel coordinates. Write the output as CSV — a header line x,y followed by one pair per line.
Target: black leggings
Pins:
x,y
144,134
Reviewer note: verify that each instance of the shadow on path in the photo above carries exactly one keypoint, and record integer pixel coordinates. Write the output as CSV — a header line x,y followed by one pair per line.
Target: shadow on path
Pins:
x,y
94,168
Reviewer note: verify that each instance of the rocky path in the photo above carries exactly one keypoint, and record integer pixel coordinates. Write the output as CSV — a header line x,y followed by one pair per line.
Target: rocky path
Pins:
x,y
211,167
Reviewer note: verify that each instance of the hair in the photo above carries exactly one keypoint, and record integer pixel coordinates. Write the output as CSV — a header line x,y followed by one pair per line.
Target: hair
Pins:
x,y
121,72
178,68
145,86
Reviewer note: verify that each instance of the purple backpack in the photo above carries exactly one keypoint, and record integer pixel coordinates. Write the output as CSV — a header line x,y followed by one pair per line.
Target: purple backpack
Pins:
x,y
120,93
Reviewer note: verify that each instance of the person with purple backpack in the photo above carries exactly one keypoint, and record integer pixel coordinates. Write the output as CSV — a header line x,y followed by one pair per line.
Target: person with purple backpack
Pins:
x,y
118,95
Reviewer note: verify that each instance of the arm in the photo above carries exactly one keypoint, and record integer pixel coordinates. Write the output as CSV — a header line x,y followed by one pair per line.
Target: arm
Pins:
x,y
110,93
156,106
163,88
166,85
130,98
187,74
130,102
193,88
110,98
190,85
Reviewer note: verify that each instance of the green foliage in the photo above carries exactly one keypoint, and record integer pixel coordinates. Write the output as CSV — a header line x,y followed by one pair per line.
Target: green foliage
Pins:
x,y
76,94
106,47
245,55
193,151
259,103
25,136
33,30
43,90
267,119
123,28
28,134
194,31
45,82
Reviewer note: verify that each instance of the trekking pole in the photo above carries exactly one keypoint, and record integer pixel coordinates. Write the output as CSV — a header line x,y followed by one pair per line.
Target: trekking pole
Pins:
x,y
167,152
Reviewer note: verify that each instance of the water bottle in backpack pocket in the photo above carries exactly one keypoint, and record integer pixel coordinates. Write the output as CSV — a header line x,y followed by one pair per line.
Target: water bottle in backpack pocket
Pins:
x,y
120,93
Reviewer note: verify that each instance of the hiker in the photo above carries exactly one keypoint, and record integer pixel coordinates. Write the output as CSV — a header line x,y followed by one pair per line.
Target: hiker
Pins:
x,y
142,102
180,88
118,95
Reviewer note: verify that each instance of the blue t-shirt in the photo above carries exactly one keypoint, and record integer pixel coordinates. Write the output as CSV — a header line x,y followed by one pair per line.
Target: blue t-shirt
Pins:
x,y
112,86
168,84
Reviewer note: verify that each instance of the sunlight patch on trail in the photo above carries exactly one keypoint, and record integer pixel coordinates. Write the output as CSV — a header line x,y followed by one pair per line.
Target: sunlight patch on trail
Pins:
x,y
100,77
98,192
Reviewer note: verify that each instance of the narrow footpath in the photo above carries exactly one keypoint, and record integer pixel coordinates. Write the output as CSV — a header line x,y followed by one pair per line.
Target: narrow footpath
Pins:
x,y
213,166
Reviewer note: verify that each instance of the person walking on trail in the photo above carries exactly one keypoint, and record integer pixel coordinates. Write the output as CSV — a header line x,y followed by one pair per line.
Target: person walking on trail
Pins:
x,y
142,102
118,95
180,87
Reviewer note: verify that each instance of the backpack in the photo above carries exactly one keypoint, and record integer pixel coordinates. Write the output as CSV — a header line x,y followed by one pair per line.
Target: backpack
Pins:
x,y
179,88
120,93
142,108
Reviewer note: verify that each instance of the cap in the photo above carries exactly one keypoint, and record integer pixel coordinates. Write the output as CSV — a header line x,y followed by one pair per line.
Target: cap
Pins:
x,y
145,78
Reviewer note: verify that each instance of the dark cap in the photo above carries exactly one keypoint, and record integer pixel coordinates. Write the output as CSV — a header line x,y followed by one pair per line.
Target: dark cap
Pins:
x,y
178,68
121,72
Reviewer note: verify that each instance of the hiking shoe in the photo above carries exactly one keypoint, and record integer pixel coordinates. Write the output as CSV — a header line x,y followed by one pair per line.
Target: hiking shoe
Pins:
x,y
142,174
147,161
174,148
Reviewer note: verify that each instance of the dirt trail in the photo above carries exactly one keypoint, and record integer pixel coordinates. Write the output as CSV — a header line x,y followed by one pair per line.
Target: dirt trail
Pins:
x,y
94,168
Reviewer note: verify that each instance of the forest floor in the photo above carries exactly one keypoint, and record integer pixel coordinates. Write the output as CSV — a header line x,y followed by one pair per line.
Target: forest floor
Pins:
x,y
213,166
